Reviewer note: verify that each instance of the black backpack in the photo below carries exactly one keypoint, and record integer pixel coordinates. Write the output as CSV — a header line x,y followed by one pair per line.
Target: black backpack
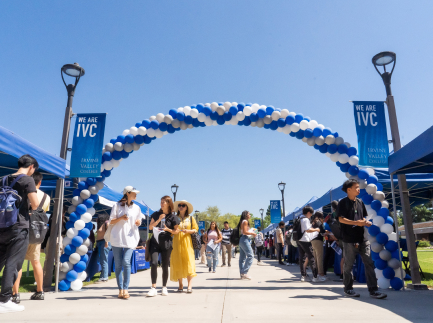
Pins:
x,y
235,237
38,224
335,228
297,230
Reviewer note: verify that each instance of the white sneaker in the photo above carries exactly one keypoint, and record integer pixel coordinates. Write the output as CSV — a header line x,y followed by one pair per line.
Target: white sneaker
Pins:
x,y
164,291
318,279
288,264
246,277
152,292
305,279
10,307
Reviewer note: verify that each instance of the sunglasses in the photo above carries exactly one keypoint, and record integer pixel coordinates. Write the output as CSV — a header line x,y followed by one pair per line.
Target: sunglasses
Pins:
x,y
182,205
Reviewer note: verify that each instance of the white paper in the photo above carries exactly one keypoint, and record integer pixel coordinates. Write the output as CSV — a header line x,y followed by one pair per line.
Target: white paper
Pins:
x,y
156,232
212,244
336,248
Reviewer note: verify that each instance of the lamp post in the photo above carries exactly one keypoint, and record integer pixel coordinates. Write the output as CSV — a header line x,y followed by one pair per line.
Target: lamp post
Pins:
x,y
75,71
261,213
174,188
382,60
282,186
196,216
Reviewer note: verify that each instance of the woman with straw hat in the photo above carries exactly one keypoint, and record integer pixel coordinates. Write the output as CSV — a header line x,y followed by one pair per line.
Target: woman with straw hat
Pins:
x,y
182,263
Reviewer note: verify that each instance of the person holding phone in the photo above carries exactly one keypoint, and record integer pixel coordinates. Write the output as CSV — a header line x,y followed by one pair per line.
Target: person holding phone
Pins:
x,y
166,223
125,219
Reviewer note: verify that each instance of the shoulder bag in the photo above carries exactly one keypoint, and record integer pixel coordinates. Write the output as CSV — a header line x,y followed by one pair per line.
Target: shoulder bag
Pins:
x,y
195,237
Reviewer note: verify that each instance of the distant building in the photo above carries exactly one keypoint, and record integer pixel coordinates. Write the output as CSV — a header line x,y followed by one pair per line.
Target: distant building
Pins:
x,y
423,230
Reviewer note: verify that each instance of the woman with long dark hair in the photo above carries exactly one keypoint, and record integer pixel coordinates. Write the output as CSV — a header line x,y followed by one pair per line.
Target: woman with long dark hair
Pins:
x,y
167,221
213,234
126,218
245,251
182,264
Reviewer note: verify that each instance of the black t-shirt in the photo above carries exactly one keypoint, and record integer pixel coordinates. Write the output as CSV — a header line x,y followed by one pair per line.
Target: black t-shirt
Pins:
x,y
165,239
23,186
319,225
352,210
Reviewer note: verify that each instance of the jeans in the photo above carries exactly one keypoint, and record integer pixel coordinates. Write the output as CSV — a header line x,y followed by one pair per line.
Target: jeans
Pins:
x,y
212,257
350,252
226,248
306,249
245,255
280,252
103,258
259,253
122,258
291,254
13,248
197,253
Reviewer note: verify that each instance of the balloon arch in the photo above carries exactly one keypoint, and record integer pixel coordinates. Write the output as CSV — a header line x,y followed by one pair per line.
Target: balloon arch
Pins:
x,y
381,236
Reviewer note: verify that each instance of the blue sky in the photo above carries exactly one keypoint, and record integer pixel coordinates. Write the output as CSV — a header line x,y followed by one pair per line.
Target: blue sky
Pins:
x,y
146,57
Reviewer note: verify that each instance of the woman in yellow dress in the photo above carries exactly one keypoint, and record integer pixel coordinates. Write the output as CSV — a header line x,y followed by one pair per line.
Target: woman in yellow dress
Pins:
x,y
182,263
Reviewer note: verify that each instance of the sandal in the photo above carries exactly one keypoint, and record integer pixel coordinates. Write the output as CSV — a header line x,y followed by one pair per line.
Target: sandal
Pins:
x,y
189,291
120,293
126,294
179,290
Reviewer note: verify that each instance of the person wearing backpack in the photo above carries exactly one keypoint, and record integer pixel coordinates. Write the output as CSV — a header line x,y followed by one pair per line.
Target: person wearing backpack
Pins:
x,y
291,250
17,194
33,253
259,244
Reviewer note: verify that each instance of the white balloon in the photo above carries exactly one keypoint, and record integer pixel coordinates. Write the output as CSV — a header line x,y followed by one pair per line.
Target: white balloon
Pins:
x,y
260,123
311,142
240,116
394,263
392,236
303,124
376,247
329,140
227,105
321,126
320,141
66,240
371,239
385,204
276,115
133,131
77,284
187,110
343,158
109,147
378,272
194,113
379,196
108,165
66,266
118,146
378,221
339,141
79,225
168,119
208,104
334,158
82,276
86,217
151,132
202,117
284,113
383,283
74,258
159,133
312,124
85,194
355,177
178,110
370,171
214,106
347,144
62,275
253,124
353,160
115,163
294,127
267,119
347,174
125,132
293,114
175,124
399,273
387,228
128,147
247,111
183,126
372,213
71,208
76,200
94,189
208,122
362,184
99,185
220,110
305,140
371,188
385,255
82,250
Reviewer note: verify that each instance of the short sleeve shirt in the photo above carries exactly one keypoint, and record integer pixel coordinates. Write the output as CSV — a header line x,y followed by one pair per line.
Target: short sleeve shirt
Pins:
x,y
165,238
124,234
354,211
46,206
306,225
279,233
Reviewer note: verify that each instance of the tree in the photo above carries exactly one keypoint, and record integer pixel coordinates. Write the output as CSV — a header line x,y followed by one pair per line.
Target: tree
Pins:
x,y
420,213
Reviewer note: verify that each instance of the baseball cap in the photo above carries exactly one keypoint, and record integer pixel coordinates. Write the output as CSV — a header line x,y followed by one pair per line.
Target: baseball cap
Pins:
x,y
130,189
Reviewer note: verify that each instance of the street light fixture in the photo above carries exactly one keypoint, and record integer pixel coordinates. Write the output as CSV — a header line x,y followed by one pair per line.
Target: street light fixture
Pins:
x,y
282,186
261,213
196,216
382,60
174,188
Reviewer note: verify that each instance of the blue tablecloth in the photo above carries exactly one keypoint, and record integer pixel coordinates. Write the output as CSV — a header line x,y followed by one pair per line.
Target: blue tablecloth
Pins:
x,y
358,268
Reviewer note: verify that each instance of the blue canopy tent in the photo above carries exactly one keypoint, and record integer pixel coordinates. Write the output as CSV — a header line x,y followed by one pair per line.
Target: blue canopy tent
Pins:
x,y
13,147
415,157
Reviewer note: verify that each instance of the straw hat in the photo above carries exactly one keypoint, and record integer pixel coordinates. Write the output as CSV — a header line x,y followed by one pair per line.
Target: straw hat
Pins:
x,y
190,207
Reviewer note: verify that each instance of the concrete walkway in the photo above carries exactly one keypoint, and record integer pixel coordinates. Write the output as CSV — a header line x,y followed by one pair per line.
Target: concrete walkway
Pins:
x,y
274,295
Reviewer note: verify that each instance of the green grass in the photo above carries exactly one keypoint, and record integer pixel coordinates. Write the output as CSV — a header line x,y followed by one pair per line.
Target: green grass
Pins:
x,y
425,259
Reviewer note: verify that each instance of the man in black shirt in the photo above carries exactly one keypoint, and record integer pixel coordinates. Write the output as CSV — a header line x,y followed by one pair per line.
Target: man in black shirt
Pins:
x,y
14,240
352,213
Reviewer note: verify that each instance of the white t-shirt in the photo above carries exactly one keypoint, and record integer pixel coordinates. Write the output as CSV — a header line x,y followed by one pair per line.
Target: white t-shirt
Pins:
x,y
40,194
125,234
306,225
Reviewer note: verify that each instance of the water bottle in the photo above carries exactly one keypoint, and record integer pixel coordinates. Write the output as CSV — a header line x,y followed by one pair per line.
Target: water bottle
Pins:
x,y
162,223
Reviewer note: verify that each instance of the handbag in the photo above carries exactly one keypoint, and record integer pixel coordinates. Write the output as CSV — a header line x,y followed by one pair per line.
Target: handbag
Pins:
x,y
195,237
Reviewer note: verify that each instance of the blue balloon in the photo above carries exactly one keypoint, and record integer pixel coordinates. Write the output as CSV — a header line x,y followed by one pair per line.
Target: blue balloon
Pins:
x,y
281,122
290,120
147,140
307,118
89,203
317,147
84,234
362,192
146,122
71,275
396,283
91,181
69,250
200,107
196,123
227,116
353,170
220,120
64,285
262,113
138,125
106,173
376,205
80,266
293,134
83,186
233,110
326,132
89,225
139,139
81,209
351,151
388,273
383,212
170,129
94,197
214,116
374,255
129,139
389,220
382,238
300,135
64,258
299,117
342,149
121,139
76,192
73,217
179,116
100,178
391,245
107,156
345,167
154,124
113,141
254,117
335,134
363,174
332,149
374,230
116,155
241,106
269,110
317,132
379,187
172,112
69,224
323,149
85,258
380,264
247,121
77,241
372,179
395,254
163,126
273,125
308,133
124,154
188,120
207,111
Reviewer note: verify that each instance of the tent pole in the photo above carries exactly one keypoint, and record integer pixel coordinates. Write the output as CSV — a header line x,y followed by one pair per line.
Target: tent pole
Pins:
x,y
394,207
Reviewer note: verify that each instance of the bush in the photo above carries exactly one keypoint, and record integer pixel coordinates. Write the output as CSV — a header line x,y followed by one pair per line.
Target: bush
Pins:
x,y
424,244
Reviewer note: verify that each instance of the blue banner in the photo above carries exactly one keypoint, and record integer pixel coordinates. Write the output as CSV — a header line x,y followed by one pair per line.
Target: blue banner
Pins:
x,y
201,225
256,223
87,145
275,211
373,149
